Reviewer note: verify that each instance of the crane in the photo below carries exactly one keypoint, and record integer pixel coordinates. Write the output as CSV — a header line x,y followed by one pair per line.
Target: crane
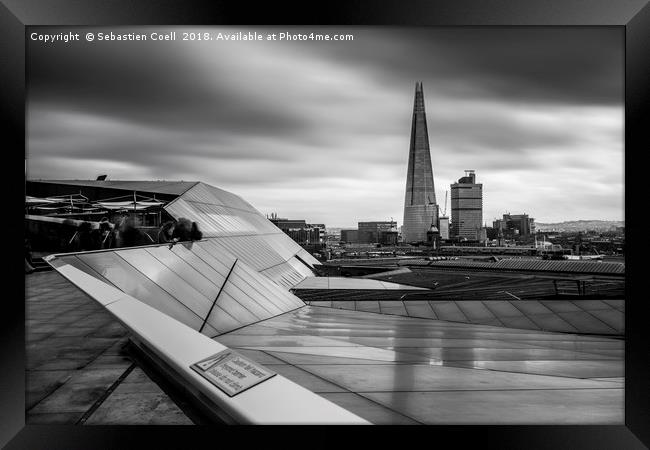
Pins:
x,y
444,213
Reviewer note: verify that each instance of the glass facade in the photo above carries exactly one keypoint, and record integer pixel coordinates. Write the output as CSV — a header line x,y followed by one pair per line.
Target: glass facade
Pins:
x,y
233,225
420,208
244,262
185,280
466,208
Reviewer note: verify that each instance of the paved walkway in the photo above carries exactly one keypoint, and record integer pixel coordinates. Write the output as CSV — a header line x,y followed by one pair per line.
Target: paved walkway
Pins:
x,y
78,370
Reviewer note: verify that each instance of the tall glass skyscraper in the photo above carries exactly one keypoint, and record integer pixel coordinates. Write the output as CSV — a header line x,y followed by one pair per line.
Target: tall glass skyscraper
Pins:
x,y
420,208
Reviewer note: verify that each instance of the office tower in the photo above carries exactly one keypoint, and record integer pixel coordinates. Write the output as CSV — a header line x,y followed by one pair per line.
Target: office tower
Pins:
x,y
350,236
420,200
375,232
466,207
444,227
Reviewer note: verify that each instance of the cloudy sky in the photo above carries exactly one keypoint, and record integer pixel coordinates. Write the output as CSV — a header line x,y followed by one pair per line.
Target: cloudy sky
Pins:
x,y
320,130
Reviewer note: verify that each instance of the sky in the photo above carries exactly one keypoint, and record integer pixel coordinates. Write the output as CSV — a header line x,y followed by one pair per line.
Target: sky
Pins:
x,y
320,130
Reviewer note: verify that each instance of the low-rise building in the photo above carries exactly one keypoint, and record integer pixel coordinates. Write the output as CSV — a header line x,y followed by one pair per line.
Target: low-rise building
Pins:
x,y
515,225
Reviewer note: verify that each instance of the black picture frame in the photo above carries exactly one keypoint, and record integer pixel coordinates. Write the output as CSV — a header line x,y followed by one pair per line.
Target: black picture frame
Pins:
x,y
632,15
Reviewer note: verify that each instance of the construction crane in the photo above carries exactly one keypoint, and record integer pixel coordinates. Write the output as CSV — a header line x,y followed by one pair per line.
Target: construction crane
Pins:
x,y
444,212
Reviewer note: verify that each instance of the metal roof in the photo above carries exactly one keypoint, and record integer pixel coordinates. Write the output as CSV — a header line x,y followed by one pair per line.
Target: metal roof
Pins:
x,y
159,187
600,317
538,265
199,284
328,283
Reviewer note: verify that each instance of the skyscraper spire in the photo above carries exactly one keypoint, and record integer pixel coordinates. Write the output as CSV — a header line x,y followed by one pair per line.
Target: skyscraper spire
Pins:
x,y
418,105
420,200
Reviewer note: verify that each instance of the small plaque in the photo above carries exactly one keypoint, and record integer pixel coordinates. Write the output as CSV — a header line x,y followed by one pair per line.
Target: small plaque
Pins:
x,y
231,372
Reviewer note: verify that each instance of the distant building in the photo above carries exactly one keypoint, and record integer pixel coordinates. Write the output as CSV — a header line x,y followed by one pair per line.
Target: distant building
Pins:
x,y
390,237
467,207
350,236
322,231
433,236
377,233
444,228
299,230
515,225
492,233
482,235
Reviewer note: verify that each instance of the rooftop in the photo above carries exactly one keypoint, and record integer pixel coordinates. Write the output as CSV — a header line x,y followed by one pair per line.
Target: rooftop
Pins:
x,y
216,325
162,187
398,370
582,304
382,367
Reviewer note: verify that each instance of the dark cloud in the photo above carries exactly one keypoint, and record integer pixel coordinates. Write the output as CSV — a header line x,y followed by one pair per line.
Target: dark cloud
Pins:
x,y
561,65
151,84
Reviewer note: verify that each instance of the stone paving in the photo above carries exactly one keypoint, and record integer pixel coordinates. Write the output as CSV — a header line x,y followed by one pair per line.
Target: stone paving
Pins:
x,y
77,368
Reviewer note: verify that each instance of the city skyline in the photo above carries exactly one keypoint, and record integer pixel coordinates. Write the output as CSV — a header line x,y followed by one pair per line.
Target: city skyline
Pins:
x,y
320,131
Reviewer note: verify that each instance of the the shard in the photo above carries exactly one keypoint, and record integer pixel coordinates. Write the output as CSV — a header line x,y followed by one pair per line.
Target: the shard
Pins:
x,y
420,208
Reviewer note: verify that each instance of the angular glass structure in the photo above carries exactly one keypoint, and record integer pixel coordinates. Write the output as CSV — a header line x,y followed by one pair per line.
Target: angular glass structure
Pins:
x,y
420,208
199,284
238,275
233,225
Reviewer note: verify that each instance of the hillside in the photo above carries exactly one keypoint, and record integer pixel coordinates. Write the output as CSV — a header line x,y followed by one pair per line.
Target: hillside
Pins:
x,y
580,225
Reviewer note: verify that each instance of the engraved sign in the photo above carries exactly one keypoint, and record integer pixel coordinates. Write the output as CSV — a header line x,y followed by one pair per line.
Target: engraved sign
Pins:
x,y
231,372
